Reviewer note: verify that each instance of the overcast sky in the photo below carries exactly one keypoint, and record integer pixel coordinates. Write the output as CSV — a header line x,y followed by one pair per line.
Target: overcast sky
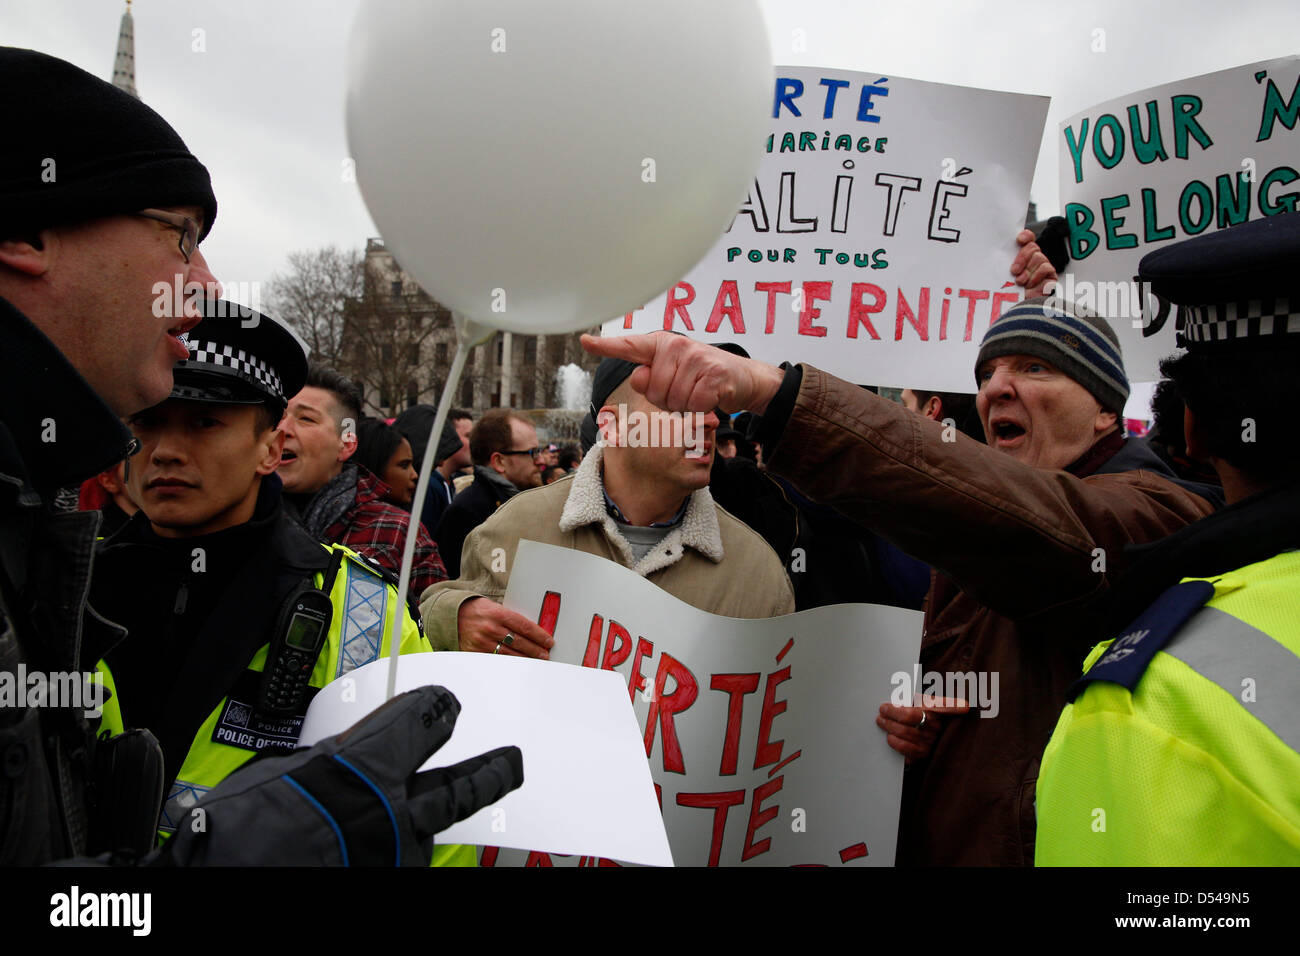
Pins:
x,y
262,107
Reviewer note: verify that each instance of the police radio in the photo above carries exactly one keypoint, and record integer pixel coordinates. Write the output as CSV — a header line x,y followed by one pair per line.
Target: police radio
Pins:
x,y
299,636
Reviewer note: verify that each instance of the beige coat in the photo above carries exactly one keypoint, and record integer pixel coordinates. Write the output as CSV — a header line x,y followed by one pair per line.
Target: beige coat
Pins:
x,y
711,560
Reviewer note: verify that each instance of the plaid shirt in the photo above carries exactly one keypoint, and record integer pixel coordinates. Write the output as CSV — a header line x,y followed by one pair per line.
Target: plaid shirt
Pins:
x,y
376,529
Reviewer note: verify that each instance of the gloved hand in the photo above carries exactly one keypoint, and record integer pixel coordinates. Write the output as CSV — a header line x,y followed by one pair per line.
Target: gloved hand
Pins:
x,y
355,799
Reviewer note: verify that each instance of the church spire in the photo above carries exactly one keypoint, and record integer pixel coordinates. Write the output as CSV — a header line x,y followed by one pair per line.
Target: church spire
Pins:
x,y
124,65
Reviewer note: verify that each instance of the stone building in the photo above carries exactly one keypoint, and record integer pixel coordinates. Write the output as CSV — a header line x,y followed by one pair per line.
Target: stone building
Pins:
x,y
402,343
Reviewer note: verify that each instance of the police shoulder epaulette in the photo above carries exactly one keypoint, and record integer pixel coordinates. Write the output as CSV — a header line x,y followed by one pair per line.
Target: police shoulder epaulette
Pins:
x,y
1126,660
370,564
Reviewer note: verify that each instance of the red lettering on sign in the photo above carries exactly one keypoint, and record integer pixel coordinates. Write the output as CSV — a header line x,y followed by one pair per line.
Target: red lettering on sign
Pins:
x,y
636,681
616,655
770,752
736,686
592,655
719,803
999,300
538,859
971,296
665,706
853,852
771,288
675,306
758,819
812,291
860,313
922,325
727,305
489,857
550,612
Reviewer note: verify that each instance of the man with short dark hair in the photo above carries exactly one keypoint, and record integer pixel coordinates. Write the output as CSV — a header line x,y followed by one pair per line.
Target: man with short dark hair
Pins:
x,y
507,460
955,407
338,500
640,498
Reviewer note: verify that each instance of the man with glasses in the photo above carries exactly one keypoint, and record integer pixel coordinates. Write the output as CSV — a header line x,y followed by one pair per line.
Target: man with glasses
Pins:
x,y
507,459
102,208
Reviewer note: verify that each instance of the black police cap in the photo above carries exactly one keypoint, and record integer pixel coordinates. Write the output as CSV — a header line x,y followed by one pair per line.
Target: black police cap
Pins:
x,y
239,356
1238,287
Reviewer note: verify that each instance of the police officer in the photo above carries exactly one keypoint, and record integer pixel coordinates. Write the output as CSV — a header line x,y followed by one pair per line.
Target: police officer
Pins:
x,y
235,614
1180,743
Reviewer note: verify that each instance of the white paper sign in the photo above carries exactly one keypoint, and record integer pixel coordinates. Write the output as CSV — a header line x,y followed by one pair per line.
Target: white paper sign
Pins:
x,y
1163,164
586,787
878,235
761,733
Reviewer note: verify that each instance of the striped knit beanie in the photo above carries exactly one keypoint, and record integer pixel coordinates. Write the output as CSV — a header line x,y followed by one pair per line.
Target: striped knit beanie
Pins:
x,y
1077,341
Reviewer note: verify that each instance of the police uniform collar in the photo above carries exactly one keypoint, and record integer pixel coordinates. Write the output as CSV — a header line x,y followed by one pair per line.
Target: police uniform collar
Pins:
x,y
62,430
1245,532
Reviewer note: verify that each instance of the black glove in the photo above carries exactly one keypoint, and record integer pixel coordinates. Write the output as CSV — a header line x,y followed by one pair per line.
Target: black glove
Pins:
x,y
1054,239
355,799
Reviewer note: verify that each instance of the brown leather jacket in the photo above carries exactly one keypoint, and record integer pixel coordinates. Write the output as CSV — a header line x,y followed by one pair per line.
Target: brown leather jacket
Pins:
x,y
1015,550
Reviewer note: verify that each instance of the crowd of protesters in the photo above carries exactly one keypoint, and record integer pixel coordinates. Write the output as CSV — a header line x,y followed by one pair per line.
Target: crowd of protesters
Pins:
x,y
229,487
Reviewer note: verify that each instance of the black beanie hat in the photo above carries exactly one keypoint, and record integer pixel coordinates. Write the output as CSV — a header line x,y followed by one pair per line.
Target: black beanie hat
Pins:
x,y
79,148
610,374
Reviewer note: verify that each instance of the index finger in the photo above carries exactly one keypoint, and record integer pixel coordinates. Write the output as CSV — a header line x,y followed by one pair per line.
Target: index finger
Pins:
x,y
633,348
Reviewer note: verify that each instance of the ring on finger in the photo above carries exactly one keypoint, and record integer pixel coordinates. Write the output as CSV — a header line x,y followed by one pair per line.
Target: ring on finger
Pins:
x,y
498,649
924,717
508,639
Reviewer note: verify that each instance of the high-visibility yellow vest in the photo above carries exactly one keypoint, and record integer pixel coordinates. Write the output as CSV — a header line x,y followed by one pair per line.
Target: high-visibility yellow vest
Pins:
x,y
1196,763
364,605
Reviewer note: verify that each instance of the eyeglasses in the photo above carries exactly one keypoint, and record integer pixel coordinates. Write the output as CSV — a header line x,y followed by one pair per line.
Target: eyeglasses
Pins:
x,y
530,452
189,229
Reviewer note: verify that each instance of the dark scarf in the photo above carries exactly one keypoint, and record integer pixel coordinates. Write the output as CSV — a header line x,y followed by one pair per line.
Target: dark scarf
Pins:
x,y
332,502
1102,451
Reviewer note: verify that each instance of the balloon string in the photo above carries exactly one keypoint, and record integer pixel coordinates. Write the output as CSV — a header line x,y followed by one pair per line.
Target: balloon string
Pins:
x,y
417,508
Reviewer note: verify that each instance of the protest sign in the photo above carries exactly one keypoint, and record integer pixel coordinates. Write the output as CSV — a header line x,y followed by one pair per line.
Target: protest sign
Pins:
x,y
878,235
1163,164
760,734
586,788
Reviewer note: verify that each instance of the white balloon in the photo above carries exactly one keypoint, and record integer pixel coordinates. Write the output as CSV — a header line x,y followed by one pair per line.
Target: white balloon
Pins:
x,y
544,166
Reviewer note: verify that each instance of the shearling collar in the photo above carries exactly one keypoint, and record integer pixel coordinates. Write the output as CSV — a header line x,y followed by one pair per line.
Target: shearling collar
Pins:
x,y
585,505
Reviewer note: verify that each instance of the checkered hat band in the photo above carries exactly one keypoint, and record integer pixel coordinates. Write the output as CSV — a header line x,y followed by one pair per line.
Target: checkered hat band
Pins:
x,y
245,365
1226,321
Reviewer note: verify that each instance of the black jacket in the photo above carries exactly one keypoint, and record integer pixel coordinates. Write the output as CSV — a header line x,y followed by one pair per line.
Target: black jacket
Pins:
x,y
194,628
1245,532
54,432
468,510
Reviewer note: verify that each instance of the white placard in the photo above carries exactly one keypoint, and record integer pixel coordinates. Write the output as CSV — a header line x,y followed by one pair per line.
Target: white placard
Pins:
x,y
762,735
1160,165
586,787
877,239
